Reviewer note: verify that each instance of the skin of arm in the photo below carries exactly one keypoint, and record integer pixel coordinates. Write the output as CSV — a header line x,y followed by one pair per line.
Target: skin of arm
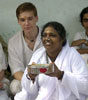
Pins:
x,y
83,51
1,78
57,73
80,42
2,75
18,75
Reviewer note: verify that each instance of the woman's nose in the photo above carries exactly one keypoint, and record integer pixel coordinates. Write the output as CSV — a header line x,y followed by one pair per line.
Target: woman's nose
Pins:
x,y
48,37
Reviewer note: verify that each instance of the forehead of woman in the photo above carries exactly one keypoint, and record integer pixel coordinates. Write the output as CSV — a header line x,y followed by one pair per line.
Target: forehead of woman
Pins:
x,y
50,29
59,28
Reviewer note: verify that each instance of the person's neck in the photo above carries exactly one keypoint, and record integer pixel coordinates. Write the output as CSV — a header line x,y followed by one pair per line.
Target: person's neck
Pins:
x,y
32,35
87,33
53,56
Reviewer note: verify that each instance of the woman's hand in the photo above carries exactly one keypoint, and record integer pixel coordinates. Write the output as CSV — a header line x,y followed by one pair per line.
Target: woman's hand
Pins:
x,y
57,73
32,76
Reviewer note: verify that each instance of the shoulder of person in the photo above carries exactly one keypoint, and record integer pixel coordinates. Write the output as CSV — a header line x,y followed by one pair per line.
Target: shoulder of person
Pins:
x,y
39,51
37,54
73,51
80,33
15,38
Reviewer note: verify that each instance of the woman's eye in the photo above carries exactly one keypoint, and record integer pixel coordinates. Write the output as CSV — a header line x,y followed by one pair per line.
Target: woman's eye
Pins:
x,y
53,35
44,35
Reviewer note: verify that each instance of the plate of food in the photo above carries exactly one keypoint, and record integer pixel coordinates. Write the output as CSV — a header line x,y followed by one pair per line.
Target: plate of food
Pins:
x,y
40,68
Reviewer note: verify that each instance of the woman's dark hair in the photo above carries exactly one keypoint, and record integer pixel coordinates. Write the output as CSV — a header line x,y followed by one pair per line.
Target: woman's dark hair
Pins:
x,y
58,27
83,12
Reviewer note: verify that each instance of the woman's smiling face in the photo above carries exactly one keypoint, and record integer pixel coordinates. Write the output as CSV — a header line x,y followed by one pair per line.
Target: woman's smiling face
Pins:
x,y
51,40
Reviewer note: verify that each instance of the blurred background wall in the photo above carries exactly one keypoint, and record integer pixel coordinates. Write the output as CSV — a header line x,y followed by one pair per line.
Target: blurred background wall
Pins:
x,y
64,11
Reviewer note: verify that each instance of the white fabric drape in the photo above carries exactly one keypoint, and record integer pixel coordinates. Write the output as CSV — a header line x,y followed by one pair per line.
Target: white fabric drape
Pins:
x,y
73,86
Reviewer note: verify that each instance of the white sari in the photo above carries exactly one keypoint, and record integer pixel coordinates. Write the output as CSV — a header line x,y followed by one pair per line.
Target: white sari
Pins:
x,y
73,86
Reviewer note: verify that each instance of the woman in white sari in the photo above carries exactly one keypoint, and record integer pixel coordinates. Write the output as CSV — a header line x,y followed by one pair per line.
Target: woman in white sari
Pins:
x,y
69,81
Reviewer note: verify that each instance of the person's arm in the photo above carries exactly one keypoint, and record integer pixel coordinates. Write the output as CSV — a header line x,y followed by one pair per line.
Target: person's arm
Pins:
x,y
78,77
79,42
3,66
2,75
18,75
83,51
57,73
15,60
1,78
4,45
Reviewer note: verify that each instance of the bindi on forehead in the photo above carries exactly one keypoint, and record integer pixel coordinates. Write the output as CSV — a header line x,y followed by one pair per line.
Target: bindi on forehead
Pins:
x,y
25,17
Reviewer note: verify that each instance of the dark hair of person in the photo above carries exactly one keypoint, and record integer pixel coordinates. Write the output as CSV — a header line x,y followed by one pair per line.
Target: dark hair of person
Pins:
x,y
83,12
26,6
58,27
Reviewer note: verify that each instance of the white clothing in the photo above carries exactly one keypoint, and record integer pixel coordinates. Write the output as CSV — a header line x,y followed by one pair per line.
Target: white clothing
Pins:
x,y
19,52
19,56
15,86
3,66
81,35
3,95
73,86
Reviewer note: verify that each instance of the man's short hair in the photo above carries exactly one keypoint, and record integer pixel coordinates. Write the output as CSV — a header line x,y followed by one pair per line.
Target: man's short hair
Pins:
x,y
26,6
